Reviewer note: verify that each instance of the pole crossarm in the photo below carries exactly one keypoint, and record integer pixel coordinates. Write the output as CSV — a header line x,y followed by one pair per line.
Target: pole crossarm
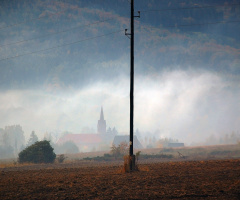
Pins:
x,y
127,34
137,16
130,34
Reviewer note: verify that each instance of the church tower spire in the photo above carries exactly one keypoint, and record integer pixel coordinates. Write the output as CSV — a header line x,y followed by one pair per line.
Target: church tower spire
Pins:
x,y
101,127
101,115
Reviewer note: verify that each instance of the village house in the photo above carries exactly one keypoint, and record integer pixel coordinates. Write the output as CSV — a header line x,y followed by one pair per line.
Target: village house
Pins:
x,y
100,141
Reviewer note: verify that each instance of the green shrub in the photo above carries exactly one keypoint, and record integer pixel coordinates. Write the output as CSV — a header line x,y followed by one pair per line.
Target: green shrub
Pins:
x,y
120,150
40,152
106,155
61,158
137,155
87,158
165,150
147,156
216,152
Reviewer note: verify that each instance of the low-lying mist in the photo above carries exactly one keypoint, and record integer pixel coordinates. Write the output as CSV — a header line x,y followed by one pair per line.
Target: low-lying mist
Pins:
x,y
188,105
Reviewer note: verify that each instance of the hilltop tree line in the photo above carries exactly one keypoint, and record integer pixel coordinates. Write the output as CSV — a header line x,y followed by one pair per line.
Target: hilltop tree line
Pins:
x,y
152,140
182,43
12,142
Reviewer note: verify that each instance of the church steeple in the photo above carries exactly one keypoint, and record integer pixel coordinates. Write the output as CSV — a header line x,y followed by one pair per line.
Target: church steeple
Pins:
x,y
101,127
101,115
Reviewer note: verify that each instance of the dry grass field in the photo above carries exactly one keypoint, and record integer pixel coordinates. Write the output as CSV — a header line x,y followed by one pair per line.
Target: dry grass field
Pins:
x,y
208,179
193,153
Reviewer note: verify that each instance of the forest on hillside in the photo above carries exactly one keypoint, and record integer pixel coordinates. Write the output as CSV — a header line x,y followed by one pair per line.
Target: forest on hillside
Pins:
x,y
169,35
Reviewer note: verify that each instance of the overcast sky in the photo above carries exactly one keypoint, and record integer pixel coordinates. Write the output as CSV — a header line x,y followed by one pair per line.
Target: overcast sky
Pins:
x,y
61,61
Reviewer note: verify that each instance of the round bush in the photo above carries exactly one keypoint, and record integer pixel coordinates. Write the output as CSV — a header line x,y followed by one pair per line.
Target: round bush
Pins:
x,y
40,152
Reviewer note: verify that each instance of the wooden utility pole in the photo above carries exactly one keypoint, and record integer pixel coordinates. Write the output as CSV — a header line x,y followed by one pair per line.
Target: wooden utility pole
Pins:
x,y
132,157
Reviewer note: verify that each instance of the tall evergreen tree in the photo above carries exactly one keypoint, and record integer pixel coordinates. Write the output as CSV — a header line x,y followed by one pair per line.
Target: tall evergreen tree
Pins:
x,y
33,138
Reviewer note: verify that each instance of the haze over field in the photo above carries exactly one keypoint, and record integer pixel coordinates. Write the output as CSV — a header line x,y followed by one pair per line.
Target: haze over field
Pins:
x,y
187,66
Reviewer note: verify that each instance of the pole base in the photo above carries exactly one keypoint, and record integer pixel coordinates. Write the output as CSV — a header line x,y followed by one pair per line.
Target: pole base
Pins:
x,y
132,163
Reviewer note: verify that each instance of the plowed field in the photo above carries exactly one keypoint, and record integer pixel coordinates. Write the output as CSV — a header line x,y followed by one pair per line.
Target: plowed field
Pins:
x,y
213,179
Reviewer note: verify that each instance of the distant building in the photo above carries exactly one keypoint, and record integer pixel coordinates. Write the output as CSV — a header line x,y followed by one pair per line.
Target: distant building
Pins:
x,y
101,126
118,139
102,140
84,142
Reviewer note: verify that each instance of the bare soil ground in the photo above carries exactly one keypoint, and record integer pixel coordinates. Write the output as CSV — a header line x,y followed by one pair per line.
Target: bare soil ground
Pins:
x,y
208,179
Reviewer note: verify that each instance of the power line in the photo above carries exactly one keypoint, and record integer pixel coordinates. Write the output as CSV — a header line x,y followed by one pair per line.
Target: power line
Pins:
x,y
203,24
33,19
21,41
200,24
188,8
67,44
